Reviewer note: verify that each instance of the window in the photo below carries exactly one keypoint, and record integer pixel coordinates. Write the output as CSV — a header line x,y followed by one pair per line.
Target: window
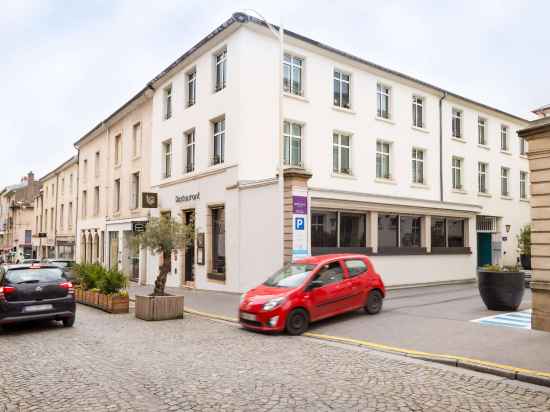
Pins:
x,y
219,142
70,216
504,181
482,131
46,218
341,89
292,74
167,102
482,173
383,160
116,198
522,146
504,138
388,231
352,230
218,240
409,231
136,140
84,203
96,201
418,166
355,267
341,158
447,232
191,88
84,173
52,219
190,151
53,192
118,149
71,184
330,273
324,229
523,185
418,111
61,216
457,173
399,231
97,164
338,229
221,70
457,123
134,191
62,186
167,159
293,144
383,94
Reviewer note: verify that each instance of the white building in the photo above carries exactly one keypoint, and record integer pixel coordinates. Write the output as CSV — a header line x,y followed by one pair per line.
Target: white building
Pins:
x,y
427,182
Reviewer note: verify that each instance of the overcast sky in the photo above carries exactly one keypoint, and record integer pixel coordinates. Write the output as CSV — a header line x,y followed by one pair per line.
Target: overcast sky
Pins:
x,y
66,65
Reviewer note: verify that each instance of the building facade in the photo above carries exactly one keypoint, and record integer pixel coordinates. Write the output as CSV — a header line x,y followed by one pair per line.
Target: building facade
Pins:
x,y
55,213
113,172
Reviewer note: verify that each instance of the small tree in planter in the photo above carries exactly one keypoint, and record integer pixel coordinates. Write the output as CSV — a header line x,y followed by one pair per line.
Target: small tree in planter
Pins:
x,y
524,246
163,235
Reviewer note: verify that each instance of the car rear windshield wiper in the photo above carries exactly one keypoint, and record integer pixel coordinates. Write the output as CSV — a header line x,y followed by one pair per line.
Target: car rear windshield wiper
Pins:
x,y
28,281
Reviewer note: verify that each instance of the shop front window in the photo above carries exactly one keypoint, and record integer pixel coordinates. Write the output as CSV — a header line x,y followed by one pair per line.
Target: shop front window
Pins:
x,y
447,232
388,231
439,232
324,226
409,231
455,229
352,230
218,240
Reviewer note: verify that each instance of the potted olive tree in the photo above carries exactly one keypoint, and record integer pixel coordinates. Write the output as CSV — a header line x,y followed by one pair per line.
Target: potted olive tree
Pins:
x,y
501,288
524,246
163,236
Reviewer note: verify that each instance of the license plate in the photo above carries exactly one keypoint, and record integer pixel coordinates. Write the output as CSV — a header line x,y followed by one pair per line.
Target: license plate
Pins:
x,y
37,308
248,316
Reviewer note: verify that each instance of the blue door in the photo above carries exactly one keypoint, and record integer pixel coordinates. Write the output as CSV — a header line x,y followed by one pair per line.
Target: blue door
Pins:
x,y
484,249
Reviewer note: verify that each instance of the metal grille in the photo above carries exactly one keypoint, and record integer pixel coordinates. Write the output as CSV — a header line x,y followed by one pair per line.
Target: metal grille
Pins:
x,y
487,224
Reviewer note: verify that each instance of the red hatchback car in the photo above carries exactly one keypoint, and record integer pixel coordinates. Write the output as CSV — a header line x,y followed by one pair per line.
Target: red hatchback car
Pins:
x,y
311,289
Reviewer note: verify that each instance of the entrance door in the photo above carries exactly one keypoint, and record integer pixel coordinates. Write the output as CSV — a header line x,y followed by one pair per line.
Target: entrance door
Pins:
x,y
484,249
190,250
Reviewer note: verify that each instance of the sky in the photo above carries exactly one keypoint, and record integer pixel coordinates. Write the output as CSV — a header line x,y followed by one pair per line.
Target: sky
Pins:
x,y
66,65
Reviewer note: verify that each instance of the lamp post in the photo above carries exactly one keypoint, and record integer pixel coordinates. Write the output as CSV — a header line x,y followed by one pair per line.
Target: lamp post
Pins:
x,y
279,35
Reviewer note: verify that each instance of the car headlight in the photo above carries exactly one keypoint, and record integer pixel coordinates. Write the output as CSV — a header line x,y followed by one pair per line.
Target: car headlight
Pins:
x,y
273,303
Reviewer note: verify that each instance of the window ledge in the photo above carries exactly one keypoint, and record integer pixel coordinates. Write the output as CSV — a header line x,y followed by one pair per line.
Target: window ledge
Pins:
x,y
453,250
420,186
507,197
458,139
526,200
460,191
298,97
506,152
523,156
420,129
138,157
385,181
484,194
342,109
383,119
483,146
343,176
217,277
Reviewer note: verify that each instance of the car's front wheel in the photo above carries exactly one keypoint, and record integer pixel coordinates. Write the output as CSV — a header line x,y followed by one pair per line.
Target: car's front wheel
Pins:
x,y
68,322
374,302
297,322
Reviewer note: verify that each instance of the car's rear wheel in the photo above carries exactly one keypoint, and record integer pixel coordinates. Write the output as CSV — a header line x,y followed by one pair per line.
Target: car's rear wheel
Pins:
x,y
297,322
68,322
374,302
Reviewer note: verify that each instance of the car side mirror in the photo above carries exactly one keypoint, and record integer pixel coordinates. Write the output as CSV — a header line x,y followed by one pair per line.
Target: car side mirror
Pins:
x,y
317,283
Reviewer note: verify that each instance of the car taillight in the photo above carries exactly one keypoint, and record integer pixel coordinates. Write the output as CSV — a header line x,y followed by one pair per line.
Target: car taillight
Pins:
x,y
6,290
68,286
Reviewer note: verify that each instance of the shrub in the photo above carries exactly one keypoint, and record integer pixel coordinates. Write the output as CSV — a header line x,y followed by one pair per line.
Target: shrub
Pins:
x,y
498,268
90,275
111,282
524,240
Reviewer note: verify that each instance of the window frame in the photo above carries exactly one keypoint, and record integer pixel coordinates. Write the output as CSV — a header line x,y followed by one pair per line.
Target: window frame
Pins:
x,y
338,228
116,196
522,146
340,147
136,139
482,125
504,139
382,155
135,190
504,181
383,91
218,141
167,94
291,65
483,176
416,162
339,103
191,82
288,140
456,123
418,103
167,158
457,178
189,148
220,77
523,184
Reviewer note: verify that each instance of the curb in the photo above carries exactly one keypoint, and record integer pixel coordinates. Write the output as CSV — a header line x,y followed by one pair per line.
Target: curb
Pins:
x,y
505,371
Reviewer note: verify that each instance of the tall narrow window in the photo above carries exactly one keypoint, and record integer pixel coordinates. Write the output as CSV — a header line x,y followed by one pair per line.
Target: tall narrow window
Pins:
x,y
523,185
504,146
292,74
84,203
219,142
191,88
116,197
218,240
457,123
167,159
84,173
118,149
136,140
504,181
190,151
383,94
482,173
168,102
383,160
418,166
70,216
52,219
97,165
522,146
221,70
71,178
293,144
482,131
96,201
341,153
418,111
134,190
62,186
341,89
457,173
62,217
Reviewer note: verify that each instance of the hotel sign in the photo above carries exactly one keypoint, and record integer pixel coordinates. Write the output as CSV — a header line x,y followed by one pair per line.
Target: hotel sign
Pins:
x,y
300,244
188,198
149,200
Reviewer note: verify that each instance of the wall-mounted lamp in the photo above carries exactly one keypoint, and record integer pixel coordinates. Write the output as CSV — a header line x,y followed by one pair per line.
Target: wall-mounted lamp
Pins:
x,y
508,228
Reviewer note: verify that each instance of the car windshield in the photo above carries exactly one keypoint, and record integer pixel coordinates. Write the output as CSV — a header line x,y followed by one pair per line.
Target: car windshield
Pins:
x,y
290,276
34,275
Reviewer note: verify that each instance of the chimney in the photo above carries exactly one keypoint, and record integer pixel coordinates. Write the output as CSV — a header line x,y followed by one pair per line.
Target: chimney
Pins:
x,y
543,111
30,177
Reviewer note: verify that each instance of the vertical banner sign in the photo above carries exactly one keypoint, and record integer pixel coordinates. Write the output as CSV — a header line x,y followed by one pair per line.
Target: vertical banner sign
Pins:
x,y
300,244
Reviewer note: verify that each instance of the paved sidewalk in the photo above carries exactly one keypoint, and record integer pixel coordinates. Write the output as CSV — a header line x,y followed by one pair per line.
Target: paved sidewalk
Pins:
x,y
436,319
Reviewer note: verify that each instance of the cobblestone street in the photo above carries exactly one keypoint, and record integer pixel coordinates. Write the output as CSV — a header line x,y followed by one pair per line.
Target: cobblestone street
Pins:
x,y
115,362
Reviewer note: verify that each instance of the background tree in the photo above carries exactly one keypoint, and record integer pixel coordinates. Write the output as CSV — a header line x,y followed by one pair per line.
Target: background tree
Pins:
x,y
164,235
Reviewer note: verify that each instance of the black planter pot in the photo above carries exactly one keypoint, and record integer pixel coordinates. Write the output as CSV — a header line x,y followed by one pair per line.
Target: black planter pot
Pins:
x,y
525,261
501,290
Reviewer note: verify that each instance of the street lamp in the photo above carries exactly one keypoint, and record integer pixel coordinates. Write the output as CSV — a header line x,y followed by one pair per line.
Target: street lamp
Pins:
x,y
279,35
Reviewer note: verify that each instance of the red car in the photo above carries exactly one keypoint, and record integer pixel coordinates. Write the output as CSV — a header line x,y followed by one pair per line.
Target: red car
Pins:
x,y
311,289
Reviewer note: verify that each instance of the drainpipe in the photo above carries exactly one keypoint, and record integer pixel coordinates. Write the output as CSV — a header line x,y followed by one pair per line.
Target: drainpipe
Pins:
x,y
441,198
77,207
56,251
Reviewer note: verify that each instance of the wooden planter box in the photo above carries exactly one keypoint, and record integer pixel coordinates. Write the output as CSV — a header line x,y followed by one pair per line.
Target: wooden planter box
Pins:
x,y
108,303
159,307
